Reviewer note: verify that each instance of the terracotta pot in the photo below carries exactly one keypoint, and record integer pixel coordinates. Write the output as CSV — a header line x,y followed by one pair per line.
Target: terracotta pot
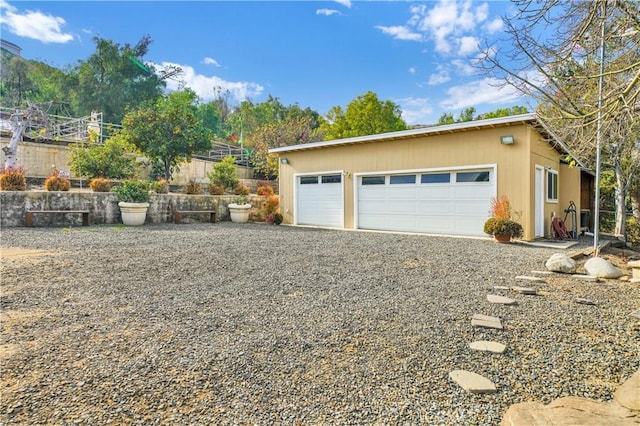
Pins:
x,y
503,238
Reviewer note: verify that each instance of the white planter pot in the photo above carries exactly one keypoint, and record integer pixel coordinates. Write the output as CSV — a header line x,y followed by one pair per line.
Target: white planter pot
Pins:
x,y
239,212
133,214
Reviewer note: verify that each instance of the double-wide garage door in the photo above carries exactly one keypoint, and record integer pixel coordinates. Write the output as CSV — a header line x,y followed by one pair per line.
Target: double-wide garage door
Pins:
x,y
453,202
448,202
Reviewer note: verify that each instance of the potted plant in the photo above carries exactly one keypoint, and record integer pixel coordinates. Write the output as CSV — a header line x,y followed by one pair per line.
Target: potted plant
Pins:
x,y
134,201
501,224
271,209
239,209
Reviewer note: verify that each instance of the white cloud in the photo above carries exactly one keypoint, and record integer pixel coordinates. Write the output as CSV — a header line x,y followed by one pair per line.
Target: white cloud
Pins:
x,y
415,110
412,70
210,61
204,85
327,12
475,93
345,3
399,32
468,45
463,67
494,26
440,77
34,24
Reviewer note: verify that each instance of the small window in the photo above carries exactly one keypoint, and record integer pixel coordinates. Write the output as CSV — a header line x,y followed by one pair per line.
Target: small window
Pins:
x,y
308,180
402,179
331,179
552,186
472,177
436,178
373,180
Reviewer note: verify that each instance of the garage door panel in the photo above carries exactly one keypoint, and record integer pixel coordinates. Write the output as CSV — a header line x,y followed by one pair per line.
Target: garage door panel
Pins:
x,y
320,204
456,208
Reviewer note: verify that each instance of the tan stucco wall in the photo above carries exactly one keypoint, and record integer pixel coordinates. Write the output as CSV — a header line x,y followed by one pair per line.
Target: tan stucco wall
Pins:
x,y
543,154
514,164
40,159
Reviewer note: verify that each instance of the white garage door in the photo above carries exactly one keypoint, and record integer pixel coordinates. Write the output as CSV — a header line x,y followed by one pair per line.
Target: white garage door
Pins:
x,y
320,200
450,202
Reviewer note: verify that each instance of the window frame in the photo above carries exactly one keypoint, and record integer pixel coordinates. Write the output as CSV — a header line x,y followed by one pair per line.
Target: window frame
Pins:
x,y
552,186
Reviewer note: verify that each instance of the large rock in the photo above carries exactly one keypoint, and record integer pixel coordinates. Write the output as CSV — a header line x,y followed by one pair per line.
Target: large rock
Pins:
x,y
559,262
570,410
628,395
623,410
599,267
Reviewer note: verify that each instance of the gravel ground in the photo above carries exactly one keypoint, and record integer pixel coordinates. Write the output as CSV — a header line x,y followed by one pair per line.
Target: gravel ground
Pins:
x,y
253,324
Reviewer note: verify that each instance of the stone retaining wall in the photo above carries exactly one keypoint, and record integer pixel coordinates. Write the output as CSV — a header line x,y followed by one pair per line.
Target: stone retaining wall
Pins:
x,y
103,207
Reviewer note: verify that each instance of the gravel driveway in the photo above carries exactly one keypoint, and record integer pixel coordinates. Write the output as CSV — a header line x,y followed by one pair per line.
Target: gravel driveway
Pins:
x,y
254,324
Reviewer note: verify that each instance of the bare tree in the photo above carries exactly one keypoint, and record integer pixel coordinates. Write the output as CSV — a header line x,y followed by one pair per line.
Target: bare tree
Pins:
x,y
556,57
20,121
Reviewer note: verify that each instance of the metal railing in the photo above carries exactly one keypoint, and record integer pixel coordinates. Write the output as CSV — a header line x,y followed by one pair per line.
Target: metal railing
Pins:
x,y
61,128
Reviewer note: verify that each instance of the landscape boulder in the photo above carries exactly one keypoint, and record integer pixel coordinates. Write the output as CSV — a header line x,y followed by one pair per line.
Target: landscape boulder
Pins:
x,y
559,262
601,268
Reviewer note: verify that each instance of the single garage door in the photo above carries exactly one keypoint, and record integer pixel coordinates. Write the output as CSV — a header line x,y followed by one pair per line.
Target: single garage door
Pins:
x,y
320,200
443,202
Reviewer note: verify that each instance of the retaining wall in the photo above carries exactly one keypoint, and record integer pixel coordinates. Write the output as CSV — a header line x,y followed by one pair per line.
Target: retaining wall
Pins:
x,y
103,207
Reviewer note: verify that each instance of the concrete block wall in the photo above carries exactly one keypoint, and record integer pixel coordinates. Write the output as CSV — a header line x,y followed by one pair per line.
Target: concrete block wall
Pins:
x,y
103,207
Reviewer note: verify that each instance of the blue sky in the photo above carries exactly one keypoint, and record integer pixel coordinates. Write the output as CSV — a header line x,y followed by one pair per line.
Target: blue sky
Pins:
x,y
317,54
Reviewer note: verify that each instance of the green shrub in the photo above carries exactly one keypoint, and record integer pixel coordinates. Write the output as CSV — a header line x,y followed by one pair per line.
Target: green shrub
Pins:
x,y
495,226
132,191
159,186
115,159
12,179
225,173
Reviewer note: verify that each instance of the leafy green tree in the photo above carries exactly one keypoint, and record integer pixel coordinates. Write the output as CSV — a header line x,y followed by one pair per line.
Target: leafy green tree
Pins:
x,y
225,173
168,130
291,131
445,118
503,112
113,79
115,159
365,115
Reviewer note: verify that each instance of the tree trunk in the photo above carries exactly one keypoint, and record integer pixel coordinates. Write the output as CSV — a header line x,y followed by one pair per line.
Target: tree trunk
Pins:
x,y
621,210
17,129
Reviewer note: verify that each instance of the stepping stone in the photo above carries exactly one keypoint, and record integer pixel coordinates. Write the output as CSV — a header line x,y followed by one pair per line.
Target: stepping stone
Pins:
x,y
486,321
583,301
544,273
492,298
634,280
488,346
501,287
528,278
636,313
591,278
472,382
525,290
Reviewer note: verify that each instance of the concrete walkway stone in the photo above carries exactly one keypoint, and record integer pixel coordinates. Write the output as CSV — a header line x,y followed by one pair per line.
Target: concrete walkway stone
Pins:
x,y
584,301
585,277
488,346
486,321
472,382
492,298
530,278
525,290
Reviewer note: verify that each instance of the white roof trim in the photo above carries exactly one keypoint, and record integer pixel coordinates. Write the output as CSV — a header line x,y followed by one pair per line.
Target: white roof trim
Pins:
x,y
448,128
